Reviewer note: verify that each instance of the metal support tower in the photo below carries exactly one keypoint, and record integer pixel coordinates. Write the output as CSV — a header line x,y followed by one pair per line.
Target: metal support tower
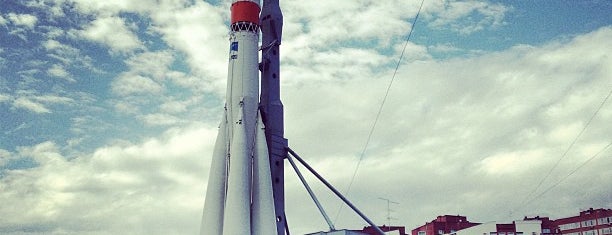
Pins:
x,y
271,106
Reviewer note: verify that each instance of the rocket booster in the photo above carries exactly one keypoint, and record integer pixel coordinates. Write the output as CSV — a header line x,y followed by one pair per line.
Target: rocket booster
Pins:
x,y
239,198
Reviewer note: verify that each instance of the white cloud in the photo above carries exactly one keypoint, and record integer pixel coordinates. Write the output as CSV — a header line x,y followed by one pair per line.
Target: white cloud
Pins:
x,y
54,32
53,99
38,103
2,60
135,84
26,20
116,7
67,55
146,75
127,107
153,64
444,48
28,104
331,65
4,157
343,23
450,128
4,98
176,106
467,17
160,119
53,7
206,50
112,31
513,163
156,186
61,49
449,131
52,44
59,72
565,134
194,28
147,88
3,21
192,82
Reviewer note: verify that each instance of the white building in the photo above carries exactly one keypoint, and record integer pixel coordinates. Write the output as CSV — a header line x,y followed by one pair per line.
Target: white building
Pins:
x,y
349,232
338,232
521,227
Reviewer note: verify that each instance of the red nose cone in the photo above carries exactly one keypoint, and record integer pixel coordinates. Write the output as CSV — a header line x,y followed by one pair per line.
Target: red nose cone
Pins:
x,y
245,11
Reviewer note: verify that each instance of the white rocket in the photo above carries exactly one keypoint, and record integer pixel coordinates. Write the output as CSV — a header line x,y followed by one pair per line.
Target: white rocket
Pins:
x,y
239,198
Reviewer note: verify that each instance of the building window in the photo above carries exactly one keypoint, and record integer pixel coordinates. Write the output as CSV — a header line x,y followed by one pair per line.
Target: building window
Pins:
x,y
601,221
569,226
421,232
588,223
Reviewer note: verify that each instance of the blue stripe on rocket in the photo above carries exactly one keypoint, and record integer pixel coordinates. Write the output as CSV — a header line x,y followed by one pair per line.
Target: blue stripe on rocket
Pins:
x,y
233,50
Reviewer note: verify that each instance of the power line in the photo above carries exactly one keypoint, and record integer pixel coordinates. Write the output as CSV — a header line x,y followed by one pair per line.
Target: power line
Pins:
x,y
567,150
381,107
568,175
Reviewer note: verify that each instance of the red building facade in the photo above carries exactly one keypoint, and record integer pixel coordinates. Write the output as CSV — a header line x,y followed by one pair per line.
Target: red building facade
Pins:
x,y
589,222
444,224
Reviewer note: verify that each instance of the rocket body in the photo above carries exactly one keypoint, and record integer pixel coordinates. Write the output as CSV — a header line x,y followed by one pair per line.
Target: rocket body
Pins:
x,y
239,198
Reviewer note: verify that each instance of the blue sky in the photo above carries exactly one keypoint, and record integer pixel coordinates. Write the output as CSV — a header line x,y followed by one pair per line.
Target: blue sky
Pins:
x,y
109,109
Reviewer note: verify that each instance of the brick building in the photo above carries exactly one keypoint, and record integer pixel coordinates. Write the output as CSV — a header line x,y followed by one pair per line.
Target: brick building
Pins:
x,y
523,227
369,230
588,222
444,224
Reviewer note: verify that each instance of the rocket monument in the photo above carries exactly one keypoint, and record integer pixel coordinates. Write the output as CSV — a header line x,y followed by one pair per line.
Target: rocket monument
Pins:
x,y
245,193
239,197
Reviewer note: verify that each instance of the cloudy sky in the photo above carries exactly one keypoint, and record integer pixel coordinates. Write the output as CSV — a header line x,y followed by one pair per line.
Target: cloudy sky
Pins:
x,y
109,110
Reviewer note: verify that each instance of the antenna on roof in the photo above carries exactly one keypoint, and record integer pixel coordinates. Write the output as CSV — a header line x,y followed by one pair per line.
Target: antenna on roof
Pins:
x,y
389,210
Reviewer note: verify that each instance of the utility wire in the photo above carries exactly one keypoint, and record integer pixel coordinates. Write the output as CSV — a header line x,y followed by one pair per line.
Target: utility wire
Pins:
x,y
568,175
526,200
380,108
